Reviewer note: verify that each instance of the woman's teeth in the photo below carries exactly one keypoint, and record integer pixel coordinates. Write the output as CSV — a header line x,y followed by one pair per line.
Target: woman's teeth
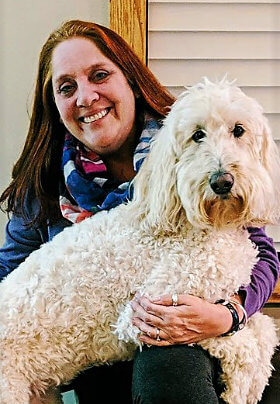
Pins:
x,y
95,117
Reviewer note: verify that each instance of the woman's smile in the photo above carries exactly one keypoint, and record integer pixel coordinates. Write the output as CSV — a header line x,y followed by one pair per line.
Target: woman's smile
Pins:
x,y
95,117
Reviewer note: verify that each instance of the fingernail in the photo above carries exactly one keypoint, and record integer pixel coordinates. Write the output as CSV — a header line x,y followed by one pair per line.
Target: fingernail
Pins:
x,y
156,299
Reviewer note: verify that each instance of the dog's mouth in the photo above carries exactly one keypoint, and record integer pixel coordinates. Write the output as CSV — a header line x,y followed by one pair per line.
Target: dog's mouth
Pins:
x,y
223,211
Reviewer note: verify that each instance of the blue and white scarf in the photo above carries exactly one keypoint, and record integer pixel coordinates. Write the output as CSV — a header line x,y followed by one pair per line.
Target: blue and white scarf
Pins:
x,y
88,189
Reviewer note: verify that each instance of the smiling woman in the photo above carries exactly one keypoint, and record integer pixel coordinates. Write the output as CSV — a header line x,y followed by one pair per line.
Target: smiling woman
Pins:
x,y
74,86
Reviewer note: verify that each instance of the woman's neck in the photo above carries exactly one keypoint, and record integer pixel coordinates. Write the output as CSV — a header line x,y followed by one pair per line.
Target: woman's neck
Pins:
x,y
120,163
120,169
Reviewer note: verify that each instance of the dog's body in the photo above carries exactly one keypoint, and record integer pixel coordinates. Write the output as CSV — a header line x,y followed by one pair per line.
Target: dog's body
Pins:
x,y
66,307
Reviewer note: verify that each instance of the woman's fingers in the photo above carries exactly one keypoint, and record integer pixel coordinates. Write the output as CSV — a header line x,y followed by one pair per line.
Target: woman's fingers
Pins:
x,y
157,323
151,332
190,319
146,339
147,310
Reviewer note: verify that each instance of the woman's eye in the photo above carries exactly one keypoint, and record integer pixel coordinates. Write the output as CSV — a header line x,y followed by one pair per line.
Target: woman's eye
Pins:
x,y
99,76
198,136
65,89
238,131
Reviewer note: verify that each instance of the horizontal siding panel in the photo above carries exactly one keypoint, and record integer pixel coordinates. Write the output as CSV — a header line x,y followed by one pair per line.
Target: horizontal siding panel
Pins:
x,y
274,121
274,232
214,45
268,97
207,16
187,72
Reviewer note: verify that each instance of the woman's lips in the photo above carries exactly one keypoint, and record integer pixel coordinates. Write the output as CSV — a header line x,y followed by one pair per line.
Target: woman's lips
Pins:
x,y
95,117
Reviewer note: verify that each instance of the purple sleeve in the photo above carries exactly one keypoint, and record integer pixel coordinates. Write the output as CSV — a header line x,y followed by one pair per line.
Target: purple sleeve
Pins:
x,y
264,275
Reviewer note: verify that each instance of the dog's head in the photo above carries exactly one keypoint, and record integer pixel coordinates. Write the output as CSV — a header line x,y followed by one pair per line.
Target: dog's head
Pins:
x,y
213,163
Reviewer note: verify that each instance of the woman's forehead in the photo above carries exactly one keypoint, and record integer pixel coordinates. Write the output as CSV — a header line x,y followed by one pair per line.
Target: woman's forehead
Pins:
x,y
74,54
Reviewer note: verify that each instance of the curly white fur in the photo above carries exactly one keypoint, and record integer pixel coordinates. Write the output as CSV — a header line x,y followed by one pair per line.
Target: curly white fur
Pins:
x,y
59,307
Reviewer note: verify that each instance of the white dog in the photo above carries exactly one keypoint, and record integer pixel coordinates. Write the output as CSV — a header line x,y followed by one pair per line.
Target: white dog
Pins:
x,y
212,171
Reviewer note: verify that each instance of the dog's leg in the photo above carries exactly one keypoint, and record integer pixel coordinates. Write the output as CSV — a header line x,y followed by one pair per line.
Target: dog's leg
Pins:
x,y
235,365
264,331
14,389
17,390
252,352
245,359
30,367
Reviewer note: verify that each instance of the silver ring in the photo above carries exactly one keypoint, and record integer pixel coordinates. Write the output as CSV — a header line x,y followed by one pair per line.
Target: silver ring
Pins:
x,y
174,298
157,334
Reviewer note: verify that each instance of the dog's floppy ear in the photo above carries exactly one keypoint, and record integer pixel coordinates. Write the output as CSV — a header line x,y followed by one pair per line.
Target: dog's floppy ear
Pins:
x,y
270,158
156,204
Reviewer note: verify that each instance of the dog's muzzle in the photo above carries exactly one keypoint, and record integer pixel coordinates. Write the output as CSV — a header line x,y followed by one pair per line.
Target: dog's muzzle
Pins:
x,y
221,182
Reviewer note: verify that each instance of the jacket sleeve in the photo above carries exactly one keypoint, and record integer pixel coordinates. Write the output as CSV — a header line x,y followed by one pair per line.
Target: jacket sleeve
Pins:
x,y
20,241
265,273
20,238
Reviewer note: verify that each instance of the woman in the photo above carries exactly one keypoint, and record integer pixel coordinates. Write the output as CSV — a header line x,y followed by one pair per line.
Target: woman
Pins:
x,y
95,110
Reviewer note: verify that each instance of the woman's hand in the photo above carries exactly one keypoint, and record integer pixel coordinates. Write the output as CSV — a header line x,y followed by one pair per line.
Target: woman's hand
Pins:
x,y
192,320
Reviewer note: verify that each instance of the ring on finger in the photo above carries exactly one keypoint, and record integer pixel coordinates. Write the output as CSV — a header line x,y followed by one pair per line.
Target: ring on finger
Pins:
x,y
174,298
157,334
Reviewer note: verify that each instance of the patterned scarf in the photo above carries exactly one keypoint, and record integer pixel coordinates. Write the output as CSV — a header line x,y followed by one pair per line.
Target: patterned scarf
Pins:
x,y
87,189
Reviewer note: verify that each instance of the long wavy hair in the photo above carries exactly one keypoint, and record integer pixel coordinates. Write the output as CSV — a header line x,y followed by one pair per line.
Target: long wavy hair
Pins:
x,y
38,168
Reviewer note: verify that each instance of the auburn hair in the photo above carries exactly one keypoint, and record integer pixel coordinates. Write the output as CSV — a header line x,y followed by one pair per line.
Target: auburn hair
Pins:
x,y
38,169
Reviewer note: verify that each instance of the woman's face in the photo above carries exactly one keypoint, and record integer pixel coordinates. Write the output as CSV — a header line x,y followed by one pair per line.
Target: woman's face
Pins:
x,y
92,95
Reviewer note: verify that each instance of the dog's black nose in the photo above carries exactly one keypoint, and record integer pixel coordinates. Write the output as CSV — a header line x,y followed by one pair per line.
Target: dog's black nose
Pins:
x,y
221,182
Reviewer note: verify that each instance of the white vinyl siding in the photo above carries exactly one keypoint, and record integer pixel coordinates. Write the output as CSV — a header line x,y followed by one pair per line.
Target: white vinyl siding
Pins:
x,y
191,39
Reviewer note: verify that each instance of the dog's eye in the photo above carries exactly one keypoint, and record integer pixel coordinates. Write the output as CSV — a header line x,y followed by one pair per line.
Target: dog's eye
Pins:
x,y
238,131
198,136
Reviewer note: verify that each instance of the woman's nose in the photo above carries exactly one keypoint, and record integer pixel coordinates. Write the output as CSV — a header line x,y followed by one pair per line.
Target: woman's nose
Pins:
x,y
86,95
